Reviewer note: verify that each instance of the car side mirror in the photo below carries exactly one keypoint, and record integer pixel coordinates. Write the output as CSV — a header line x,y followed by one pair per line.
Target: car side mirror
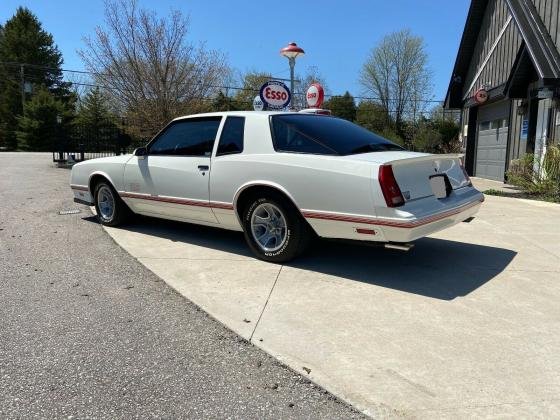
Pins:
x,y
141,151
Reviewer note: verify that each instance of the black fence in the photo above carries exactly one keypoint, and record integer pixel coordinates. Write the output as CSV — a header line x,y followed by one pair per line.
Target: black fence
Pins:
x,y
82,142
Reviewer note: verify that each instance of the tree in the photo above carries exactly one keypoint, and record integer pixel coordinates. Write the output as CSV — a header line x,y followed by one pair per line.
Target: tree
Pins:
x,y
93,109
94,120
342,106
252,82
38,128
396,73
149,66
437,136
27,53
373,116
311,76
224,103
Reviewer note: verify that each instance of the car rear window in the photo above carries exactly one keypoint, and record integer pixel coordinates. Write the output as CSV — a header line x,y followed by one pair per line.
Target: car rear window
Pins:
x,y
323,135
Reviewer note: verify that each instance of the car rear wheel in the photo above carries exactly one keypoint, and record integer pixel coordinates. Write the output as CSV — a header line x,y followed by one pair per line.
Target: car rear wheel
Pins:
x,y
274,230
111,210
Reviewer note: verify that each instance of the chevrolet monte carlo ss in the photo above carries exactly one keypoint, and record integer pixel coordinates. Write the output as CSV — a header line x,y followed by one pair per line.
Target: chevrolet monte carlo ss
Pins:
x,y
281,178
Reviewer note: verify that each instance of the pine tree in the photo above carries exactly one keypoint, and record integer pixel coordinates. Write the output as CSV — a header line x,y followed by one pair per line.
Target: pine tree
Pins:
x,y
342,106
94,121
38,128
28,54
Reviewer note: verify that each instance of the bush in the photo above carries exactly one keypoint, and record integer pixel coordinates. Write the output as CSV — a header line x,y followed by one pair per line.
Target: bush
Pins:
x,y
546,182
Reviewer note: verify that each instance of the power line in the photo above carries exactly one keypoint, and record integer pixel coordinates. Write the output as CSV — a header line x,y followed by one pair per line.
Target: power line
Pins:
x,y
219,87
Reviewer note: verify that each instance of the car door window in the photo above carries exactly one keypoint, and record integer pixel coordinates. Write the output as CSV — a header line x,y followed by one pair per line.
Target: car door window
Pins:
x,y
190,137
231,139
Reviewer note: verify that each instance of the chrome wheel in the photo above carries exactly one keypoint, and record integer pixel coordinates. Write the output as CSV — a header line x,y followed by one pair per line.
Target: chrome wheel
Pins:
x,y
105,203
268,227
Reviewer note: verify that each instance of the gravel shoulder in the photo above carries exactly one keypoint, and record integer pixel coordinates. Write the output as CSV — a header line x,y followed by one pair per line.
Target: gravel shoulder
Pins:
x,y
87,331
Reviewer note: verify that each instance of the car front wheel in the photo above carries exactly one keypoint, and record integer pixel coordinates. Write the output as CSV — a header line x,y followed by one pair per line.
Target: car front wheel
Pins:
x,y
111,210
274,230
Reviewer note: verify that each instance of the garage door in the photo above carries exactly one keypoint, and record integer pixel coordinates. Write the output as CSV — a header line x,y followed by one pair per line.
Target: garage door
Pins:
x,y
492,140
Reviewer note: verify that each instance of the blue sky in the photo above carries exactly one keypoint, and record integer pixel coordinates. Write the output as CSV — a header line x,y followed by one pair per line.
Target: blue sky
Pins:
x,y
336,35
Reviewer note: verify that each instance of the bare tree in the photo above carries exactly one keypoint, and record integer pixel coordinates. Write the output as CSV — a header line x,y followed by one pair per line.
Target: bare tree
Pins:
x,y
148,66
312,75
396,73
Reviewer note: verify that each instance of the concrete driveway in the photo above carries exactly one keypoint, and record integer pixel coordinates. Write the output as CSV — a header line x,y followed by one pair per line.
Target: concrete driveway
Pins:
x,y
467,324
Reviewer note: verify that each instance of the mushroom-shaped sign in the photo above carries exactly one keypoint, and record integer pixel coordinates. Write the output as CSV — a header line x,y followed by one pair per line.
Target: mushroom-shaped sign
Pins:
x,y
315,95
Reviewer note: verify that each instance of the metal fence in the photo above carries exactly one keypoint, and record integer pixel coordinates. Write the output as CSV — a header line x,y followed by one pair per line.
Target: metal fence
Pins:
x,y
83,141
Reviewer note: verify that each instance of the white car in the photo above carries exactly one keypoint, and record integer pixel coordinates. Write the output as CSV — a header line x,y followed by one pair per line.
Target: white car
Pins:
x,y
281,178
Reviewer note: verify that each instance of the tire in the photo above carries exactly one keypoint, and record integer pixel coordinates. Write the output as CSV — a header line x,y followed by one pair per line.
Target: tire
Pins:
x,y
109,214
270,214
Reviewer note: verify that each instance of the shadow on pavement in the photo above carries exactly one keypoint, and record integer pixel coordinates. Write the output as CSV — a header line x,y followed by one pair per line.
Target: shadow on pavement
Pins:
x,y
435,268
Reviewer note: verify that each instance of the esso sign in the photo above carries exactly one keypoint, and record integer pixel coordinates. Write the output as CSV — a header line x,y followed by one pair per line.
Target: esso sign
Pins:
x,y
481,96
315,95
258,103
275,95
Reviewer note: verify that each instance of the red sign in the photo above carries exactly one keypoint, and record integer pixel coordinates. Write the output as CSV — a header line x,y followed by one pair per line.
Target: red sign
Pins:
x,y
315,95
481,96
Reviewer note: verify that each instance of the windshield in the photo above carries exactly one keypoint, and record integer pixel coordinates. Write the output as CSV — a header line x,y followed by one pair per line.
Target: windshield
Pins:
x,y
301,133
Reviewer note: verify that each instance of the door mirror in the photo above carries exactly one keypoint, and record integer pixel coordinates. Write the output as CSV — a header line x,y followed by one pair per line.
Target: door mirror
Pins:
x,y
141,151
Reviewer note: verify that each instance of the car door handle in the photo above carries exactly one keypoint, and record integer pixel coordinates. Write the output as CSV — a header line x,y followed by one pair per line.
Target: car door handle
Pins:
x,y
203,167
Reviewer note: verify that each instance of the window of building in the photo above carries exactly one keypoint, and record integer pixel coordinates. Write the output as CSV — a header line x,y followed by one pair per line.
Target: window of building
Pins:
x,y
189,137
231,139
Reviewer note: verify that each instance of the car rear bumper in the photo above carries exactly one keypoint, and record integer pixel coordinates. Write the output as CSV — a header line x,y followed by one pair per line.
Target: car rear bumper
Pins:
x,y
416,219
412,230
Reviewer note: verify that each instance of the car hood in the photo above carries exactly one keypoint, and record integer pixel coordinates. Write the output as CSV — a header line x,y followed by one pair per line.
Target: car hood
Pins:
x,y
110,159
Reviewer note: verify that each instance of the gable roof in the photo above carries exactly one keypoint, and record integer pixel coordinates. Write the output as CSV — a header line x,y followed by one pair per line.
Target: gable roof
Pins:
x,y
537,44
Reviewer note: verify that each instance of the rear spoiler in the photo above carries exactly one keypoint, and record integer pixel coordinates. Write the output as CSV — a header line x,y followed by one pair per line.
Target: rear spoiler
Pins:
x,y
449,156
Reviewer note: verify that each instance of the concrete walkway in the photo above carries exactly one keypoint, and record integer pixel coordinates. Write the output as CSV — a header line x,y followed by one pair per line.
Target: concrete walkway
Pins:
x,y
465,325
483,184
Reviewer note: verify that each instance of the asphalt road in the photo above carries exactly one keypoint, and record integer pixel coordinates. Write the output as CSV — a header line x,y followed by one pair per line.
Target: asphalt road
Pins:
x,y
87,332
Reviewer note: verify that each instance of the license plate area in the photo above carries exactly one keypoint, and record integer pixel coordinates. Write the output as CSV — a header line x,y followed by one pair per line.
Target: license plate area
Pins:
x,y
441,187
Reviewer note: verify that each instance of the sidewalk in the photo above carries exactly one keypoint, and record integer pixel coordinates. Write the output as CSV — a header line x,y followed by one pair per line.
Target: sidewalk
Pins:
x,y
483,184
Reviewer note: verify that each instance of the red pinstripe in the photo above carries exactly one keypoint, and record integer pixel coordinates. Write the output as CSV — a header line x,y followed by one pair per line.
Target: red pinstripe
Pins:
x,y
181,201
381,222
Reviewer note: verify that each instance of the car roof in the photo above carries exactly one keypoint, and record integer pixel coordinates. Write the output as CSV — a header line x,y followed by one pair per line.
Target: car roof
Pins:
x,y
238,113
245,114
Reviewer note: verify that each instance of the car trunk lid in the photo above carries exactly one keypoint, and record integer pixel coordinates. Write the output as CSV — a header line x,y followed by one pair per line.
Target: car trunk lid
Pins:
x,y
413,171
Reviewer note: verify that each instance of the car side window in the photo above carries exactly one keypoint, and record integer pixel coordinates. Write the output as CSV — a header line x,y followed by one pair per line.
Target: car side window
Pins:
x,y
231,139
189,137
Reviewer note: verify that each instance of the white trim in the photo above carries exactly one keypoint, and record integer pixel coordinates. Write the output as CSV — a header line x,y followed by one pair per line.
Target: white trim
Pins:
x,y
494,45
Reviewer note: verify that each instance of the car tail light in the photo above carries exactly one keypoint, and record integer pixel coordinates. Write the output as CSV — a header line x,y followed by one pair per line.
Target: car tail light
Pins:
x,y
389,187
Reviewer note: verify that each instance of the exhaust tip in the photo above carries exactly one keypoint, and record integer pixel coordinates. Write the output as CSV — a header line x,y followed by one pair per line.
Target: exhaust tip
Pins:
x,y
399,246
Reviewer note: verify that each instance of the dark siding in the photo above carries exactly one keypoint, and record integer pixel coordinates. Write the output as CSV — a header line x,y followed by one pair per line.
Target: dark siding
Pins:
x,y
550,15
501,61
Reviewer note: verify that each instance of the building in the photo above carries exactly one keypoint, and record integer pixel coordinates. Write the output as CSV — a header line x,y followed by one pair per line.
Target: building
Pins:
x,y
506,80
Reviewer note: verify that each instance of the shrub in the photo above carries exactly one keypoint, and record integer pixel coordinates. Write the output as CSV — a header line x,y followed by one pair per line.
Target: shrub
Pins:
x,y
545,182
